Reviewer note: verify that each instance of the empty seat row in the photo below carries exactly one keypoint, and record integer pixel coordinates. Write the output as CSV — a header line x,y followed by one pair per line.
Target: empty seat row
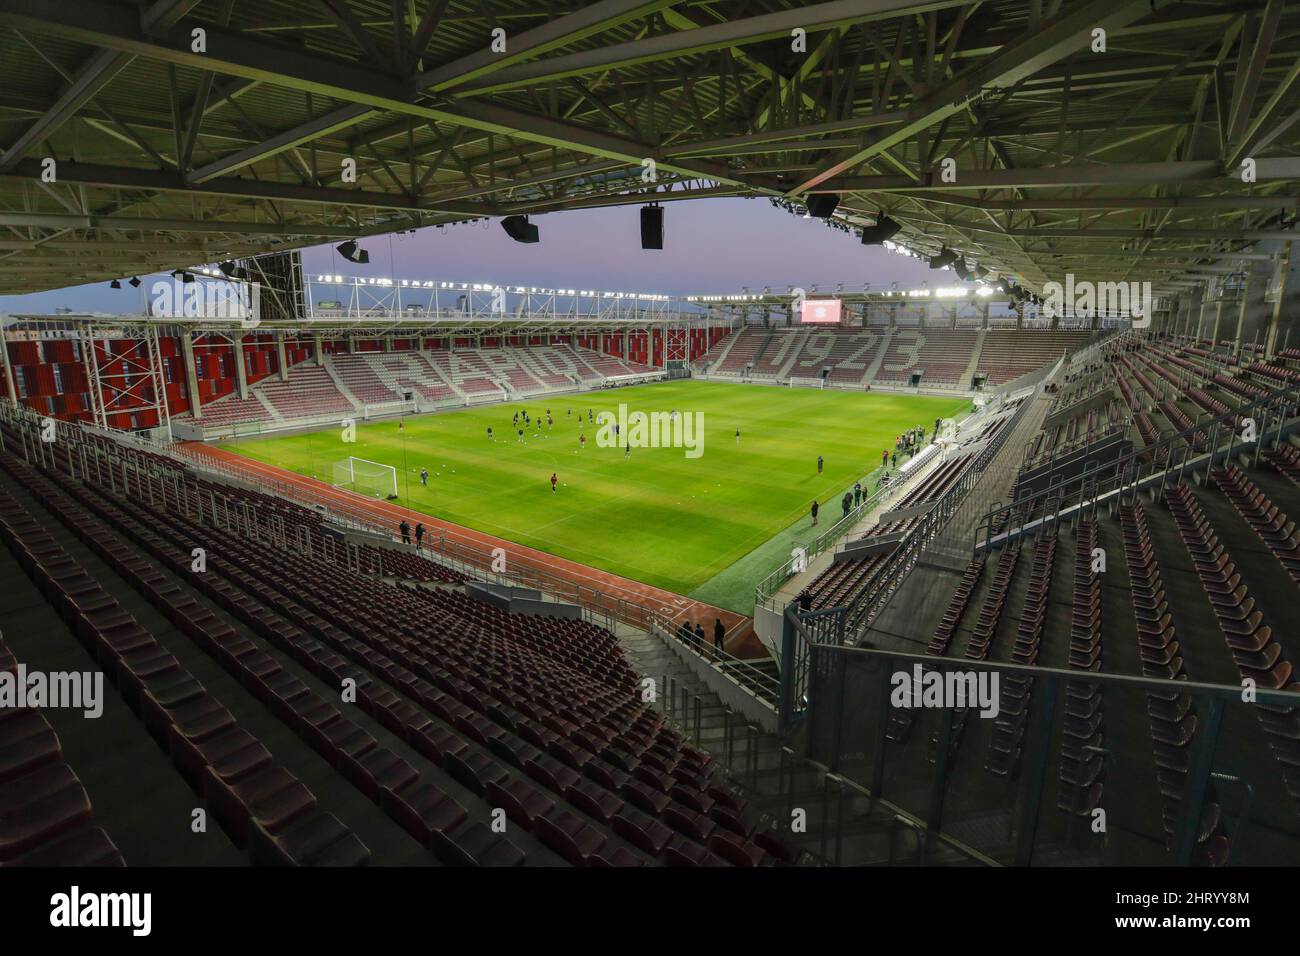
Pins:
x,y
46,818
1017,689
1082,771
1256,653
1172,715
246,790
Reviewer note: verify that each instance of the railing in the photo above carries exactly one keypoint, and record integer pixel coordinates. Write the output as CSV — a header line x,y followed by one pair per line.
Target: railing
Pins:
x,y
953,388
1172,455
905,761
847,623
796,564
744,753
751,678
860,613
234,431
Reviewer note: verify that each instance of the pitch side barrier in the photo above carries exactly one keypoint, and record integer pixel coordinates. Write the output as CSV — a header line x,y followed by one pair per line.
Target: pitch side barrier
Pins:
x,y
896,761
1212,438
833,537
858,614
767,588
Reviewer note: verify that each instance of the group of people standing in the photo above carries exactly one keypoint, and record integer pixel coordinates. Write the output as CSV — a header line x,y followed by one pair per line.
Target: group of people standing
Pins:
x,y
852,499
405,529
908,443
685,633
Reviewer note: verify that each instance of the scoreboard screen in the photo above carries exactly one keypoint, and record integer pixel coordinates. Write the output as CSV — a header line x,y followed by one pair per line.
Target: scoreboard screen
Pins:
x,y
820,312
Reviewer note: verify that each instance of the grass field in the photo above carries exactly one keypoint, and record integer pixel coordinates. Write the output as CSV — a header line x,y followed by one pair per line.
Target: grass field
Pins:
x,y
657,516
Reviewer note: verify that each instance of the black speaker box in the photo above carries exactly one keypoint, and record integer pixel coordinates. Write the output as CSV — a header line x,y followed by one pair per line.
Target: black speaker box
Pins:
x,y
520,229
652,227
823,205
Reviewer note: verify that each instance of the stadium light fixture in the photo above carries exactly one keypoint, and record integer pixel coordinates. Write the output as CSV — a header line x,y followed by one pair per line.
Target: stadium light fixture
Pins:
x,y
963,271
350,251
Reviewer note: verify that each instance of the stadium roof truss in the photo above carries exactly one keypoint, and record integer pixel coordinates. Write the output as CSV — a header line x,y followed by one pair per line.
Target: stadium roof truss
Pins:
x,y
186,131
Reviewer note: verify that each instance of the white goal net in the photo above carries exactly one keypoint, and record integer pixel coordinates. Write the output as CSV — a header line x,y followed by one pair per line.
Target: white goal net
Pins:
x,y
366,477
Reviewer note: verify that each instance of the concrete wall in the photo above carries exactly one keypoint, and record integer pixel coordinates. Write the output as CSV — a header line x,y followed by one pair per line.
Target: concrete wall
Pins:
x,y
521,601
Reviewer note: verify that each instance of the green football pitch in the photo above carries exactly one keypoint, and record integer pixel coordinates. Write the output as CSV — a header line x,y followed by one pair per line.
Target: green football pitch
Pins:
x,y
656,515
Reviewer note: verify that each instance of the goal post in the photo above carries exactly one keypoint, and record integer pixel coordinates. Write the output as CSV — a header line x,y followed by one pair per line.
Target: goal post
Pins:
x,y
371,478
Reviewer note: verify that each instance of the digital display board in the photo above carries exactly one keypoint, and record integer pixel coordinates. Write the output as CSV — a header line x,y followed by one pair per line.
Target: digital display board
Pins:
x,y
820,312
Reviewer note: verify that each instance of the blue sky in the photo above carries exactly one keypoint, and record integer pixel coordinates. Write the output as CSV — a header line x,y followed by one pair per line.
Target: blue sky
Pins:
x,y
710,245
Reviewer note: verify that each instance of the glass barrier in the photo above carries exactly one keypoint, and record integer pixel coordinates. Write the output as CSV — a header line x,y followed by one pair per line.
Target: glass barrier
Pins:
x,y
956,761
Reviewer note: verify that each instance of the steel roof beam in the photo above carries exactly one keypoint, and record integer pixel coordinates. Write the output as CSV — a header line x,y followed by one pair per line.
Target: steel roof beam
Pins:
x,y
98,23
733,33
1041,46
1094,174
323,125
160,181
90,80
1065,203
561,31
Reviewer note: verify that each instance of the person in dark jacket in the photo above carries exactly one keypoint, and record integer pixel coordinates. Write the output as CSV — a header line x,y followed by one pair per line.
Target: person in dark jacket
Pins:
x,y
405,528
699,635
814,509
719,633
419,535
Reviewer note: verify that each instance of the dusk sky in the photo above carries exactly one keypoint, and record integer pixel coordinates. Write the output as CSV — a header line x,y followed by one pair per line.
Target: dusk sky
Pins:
x,y
711,246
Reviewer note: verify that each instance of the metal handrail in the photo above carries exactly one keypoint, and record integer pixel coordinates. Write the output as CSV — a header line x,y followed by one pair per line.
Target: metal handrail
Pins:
x,y
1144,465
861,610
763,686
1129,682
773,582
